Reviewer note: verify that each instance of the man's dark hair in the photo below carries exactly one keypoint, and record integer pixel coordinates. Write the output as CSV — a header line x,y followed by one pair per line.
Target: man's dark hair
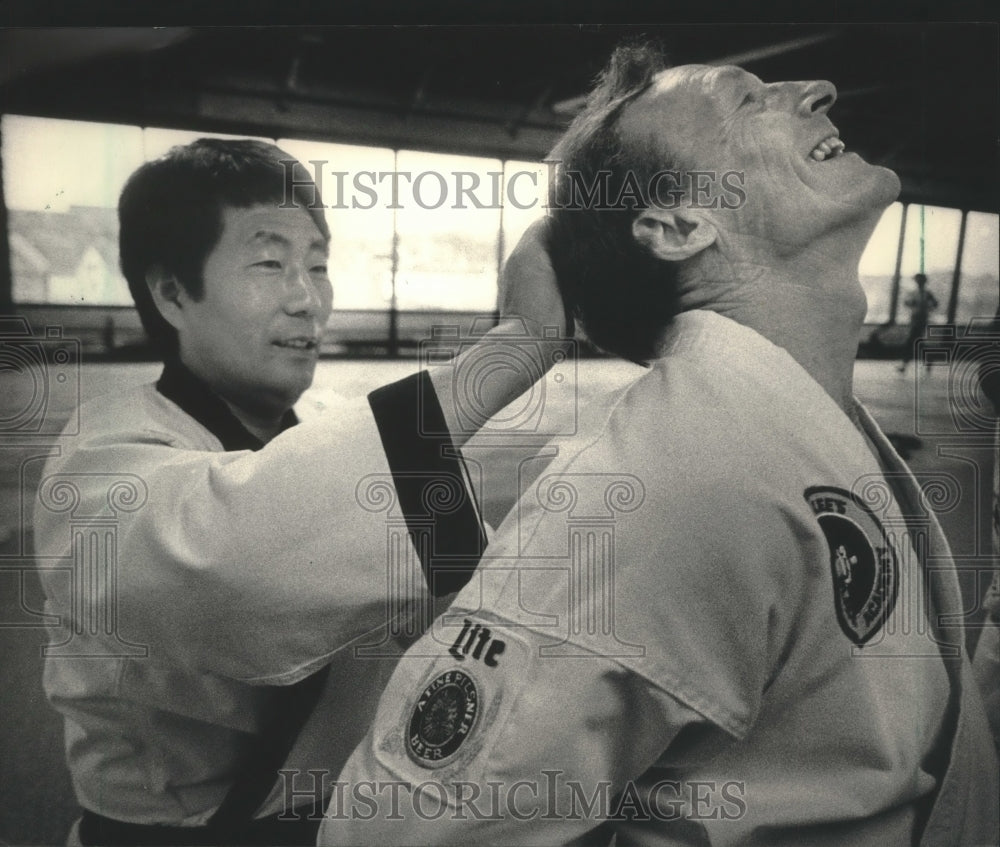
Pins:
x,y
622,295
170,213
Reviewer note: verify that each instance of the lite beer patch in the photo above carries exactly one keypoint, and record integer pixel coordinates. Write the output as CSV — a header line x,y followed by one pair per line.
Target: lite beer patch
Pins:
x,y
862,561
442,718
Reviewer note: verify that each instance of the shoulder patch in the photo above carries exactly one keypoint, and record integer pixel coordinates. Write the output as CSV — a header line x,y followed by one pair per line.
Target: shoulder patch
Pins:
x,y
863,562
442,719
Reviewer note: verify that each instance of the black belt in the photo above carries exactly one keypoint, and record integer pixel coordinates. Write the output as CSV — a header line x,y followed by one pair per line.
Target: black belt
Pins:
x,y
96,829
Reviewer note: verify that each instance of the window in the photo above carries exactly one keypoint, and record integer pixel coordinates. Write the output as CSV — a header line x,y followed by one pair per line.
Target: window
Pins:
x,y
448,228
878,265
63,178
979,281
424,233
930,246
61,183
525,195
361,229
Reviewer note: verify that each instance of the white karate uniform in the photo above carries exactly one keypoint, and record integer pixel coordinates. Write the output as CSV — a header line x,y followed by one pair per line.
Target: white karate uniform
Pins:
x,y
717,622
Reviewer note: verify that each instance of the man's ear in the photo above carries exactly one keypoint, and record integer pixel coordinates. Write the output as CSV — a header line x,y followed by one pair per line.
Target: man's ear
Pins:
x,y
168,294
673,234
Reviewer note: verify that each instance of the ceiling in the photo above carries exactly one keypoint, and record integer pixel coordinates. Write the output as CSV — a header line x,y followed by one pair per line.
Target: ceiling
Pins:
x,y
920,98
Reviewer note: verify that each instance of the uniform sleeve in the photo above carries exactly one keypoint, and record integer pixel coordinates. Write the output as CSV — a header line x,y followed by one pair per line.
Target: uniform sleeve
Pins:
x,y
253,565
503,749
581,651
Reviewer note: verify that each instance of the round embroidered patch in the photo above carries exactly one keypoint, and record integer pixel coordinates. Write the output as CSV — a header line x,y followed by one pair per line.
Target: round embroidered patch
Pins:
x,y
443,717
862,561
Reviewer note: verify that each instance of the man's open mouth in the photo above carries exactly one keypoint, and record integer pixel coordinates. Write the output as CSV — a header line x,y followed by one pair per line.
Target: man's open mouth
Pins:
x,y
829,148
301,343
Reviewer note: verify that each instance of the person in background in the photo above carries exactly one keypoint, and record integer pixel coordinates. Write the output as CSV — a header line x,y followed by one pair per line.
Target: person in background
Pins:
x,y
921,303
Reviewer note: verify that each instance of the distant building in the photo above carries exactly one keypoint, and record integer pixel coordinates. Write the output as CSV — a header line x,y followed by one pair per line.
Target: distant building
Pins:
x,y
67,257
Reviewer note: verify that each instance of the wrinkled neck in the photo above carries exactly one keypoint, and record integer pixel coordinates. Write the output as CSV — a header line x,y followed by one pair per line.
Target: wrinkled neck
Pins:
x,y
812,307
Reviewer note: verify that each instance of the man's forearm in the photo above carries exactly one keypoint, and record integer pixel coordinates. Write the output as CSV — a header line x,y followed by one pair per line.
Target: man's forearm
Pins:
x,y
492,373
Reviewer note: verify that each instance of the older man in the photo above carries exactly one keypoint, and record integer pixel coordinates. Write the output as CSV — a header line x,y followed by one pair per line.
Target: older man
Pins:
x,y
721,621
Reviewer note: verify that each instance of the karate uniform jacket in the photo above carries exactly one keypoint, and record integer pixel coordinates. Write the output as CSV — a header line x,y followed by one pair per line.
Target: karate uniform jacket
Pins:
x,y
191,571
724,620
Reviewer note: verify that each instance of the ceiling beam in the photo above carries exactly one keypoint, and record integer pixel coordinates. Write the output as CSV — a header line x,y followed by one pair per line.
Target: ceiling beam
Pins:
x,y
757,54
573,105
